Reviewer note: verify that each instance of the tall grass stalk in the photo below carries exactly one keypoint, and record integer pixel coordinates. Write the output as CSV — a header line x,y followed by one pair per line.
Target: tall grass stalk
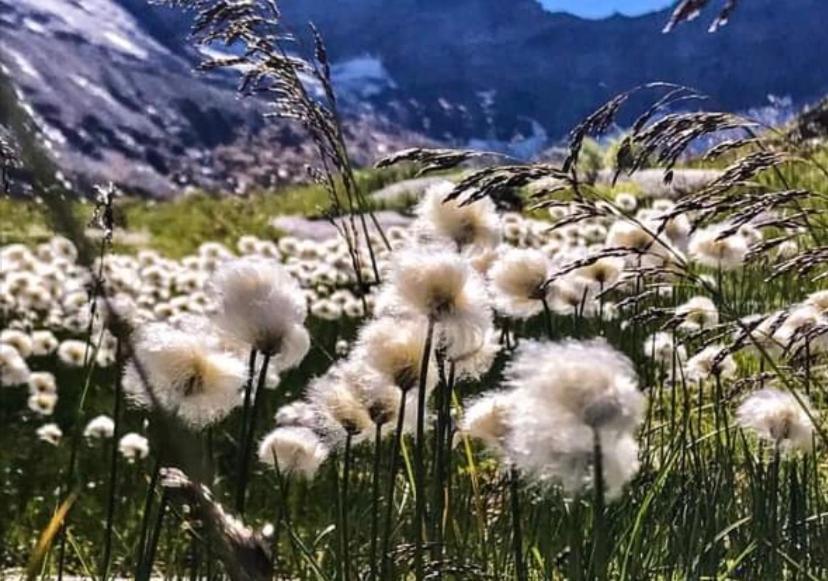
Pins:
x,y
517,533
113,465
147,512
375,501
148,558
345,549
386,571
419,457
250,434
599,534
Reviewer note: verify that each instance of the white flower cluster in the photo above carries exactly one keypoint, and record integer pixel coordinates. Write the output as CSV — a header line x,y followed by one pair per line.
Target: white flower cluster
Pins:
x,y
446,280
562,399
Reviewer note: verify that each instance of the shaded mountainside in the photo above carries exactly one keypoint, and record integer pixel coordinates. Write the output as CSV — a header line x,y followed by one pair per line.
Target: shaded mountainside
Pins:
x,y
478,65
115,97
110,84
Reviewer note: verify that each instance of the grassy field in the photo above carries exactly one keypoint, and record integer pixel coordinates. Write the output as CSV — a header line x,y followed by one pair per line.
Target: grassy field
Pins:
x,y
709,499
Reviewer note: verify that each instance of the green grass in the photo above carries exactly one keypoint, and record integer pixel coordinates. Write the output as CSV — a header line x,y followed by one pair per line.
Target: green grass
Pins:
x,y
177,227
706,503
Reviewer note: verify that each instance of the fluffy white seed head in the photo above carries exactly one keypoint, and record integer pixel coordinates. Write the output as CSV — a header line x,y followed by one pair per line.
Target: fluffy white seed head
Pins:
x,y
42,382
295,450
708,249
587,380
43,403
474,224
437,283
377,395
818,299
260,303
71,352
517,281
133,447
189,374
297,413
473,354
662,348
488,418
13,368
777,416
603,272
555,448
99,428
50,433
793,331
394,349
19,340
43,343
341,409
708,363
626,201
697,313
758,333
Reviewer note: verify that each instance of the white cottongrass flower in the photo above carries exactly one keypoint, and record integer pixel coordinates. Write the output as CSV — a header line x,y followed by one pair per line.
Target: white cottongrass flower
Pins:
x,y
777,416
43,403
99,428
64,248
602,272
677,229
19,340
571,294
517,280
437,284
801,319
42,382
44,343
631,236
751,234
50,433
342,412
394,349
818,299
567,398
297,413
342,347
377,395
326,309
662,347
261,304
473,224
589,380
473,357
133,447
758,333
710,362
553,449
295,450
189,374
626,201
13,368
708,249
353,309
697,313
488,418
72,352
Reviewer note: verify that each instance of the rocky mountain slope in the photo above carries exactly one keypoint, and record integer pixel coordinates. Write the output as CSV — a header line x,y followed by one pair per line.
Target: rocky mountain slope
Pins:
x,y
110,86
493,69
115,97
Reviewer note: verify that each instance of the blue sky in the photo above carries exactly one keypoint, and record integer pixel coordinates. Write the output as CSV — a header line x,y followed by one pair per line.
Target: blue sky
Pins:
x,y
602,8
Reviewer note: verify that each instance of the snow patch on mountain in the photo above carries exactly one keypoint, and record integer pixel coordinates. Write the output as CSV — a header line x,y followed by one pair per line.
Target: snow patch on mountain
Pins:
x,y
363,76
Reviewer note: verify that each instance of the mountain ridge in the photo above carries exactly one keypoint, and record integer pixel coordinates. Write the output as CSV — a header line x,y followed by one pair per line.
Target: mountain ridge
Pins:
x,y
111,85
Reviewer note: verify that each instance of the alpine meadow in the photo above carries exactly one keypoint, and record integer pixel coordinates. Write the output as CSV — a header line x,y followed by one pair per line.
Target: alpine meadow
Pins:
x,y
289,329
